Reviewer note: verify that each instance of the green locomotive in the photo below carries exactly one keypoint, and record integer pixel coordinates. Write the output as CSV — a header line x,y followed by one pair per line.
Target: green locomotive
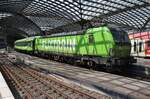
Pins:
x,y
101,45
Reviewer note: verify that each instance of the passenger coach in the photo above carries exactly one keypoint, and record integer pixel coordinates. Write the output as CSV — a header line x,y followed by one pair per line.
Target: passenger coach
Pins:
x,y
140,44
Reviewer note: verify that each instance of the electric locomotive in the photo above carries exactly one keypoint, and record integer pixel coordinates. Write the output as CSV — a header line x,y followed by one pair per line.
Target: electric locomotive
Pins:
x,y
100,45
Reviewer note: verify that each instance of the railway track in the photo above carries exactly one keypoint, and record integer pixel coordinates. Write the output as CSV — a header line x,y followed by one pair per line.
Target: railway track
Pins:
x,y
32,84
130,71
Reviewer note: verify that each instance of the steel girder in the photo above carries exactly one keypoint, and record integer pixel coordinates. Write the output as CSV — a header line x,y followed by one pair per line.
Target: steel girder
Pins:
x,y
51,15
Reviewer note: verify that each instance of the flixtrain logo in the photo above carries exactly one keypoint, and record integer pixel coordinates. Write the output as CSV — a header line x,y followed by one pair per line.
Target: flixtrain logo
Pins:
x,y
69,44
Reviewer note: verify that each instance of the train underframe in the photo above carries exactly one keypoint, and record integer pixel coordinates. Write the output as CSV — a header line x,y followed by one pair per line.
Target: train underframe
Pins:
x,y
90,61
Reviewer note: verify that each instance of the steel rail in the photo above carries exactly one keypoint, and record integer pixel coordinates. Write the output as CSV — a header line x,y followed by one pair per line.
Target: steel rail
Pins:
x,y
31,83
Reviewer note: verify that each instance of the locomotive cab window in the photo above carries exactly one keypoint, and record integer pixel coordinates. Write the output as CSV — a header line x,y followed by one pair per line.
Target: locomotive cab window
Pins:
x,y
119,35
91,38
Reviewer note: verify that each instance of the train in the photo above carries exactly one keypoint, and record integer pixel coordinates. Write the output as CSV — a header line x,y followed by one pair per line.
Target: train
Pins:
x,y
94,46
140,44
2,43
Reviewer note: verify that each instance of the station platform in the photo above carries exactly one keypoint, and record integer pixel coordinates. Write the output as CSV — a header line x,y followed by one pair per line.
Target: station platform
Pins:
x,y
5,92
142,67
111,84
143,62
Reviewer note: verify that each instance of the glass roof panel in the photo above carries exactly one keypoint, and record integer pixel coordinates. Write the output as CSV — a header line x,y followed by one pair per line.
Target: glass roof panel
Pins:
x,y
3,15
133,13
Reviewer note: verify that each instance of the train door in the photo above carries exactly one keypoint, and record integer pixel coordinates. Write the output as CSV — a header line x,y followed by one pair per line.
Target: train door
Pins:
x,y
91,44
134,47
147,48
137,47
140,48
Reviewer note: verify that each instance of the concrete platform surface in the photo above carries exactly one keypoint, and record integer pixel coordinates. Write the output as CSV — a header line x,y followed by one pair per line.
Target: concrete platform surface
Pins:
x,y
114,85
142,67
143,62
5,92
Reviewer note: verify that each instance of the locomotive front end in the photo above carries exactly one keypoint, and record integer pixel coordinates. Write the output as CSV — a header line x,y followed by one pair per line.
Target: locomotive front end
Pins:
x,y
121,51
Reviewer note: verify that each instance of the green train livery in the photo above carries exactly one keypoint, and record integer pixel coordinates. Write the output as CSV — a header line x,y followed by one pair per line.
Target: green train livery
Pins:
x,y
101,45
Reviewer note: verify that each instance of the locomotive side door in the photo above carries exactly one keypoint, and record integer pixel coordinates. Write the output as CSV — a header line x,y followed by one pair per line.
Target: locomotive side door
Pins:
x,y
91,44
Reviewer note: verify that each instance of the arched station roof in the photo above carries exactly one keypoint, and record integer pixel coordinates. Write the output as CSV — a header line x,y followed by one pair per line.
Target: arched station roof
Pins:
x,y
34,16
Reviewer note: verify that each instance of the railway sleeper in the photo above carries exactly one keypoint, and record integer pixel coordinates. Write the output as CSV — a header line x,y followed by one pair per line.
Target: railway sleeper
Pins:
x,y
26,73
43,76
